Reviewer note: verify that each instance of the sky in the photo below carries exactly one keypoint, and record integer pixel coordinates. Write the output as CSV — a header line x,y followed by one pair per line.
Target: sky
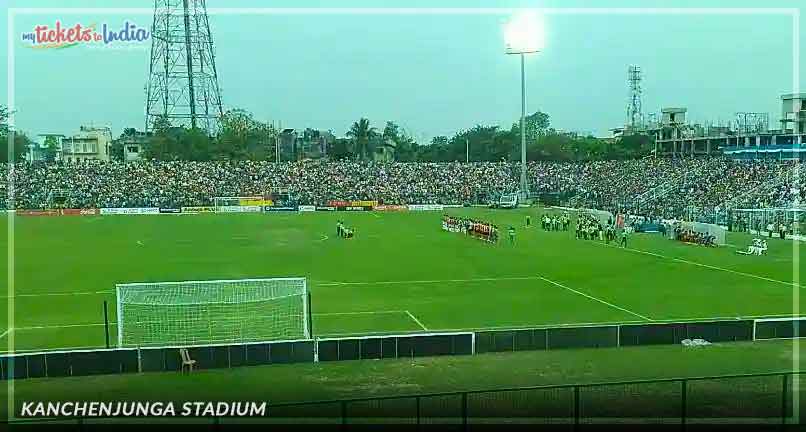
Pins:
x,y
433,74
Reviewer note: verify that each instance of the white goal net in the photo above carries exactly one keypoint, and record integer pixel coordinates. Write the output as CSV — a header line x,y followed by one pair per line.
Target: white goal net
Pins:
x,y
240,204
212,312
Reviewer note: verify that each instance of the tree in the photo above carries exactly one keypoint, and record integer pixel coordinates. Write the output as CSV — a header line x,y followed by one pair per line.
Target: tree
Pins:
x,y
161,124
634,146
340,149
485,143
21,141
243,137
406,149
51,148
391,131
361,132
436,151
537,125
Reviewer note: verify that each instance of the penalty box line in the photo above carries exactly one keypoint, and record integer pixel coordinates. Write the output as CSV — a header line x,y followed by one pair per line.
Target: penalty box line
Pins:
x,y
496,279
708,266
465,329
406,313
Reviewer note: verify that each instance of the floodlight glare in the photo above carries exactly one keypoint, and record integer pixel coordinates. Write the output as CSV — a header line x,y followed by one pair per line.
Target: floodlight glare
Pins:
x,y
524,33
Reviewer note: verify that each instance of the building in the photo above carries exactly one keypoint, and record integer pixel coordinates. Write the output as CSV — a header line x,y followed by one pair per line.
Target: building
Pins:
x,y
46,147
90,143
132,143
748,137
383,150
314,143
306,144
793,113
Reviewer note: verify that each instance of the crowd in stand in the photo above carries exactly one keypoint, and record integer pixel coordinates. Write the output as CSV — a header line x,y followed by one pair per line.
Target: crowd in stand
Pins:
x,y
656,187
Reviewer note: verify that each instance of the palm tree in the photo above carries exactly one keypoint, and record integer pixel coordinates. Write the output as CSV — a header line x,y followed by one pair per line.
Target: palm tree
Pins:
x,y
361,132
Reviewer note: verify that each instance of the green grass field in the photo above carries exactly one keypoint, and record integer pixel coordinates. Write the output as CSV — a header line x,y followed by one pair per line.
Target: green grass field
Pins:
x,y
401,273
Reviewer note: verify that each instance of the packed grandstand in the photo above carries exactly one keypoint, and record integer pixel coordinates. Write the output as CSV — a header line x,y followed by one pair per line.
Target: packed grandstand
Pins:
x,y
691,188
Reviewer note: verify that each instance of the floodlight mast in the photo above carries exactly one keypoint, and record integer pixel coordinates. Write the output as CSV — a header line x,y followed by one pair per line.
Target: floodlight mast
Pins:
x,y
524,35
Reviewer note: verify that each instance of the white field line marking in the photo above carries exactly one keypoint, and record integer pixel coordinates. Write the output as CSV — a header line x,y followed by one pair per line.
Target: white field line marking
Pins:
x,y
493,279
597,299
35,350
559,325
360,313
60,294
112,323
440,330
791,284
324,238
416,320
59,326
5,333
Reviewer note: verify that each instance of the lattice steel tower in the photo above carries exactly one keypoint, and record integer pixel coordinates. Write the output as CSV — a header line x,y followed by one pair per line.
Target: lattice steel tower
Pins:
x,y
634,114
182,81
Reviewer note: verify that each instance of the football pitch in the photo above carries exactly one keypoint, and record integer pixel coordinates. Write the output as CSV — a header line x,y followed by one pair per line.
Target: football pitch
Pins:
x,y
401,273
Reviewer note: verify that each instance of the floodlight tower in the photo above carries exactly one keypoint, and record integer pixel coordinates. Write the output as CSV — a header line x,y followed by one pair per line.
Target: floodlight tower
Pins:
x,y
523,35
183,82
634,114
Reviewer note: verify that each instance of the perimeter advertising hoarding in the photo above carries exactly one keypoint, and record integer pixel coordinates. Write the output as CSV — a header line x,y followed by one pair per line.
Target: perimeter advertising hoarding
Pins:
x,y
198,209
38,212
240,209
130,211
80,212
426,207
391,208
352,203
279,209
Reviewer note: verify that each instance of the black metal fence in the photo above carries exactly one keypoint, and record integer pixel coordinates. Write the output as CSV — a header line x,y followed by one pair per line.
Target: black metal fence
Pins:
x,y
127,360
753,398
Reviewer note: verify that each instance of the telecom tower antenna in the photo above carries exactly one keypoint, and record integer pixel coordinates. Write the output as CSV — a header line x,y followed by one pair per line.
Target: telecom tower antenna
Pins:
x,y
634,114
182,81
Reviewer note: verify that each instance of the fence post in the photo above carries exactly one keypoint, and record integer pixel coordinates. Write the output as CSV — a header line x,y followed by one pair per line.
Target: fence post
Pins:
x,y
343,413
417,399
784,399
106,324
464,410
576,407
683,402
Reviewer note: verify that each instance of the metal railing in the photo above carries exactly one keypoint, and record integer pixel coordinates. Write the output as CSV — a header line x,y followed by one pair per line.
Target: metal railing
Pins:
x,y
747,398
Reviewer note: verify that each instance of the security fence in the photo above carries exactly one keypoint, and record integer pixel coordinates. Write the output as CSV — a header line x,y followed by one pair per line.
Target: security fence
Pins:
x,y
752,398
127,360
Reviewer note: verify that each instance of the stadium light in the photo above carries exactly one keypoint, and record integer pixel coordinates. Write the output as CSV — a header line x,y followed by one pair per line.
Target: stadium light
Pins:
x,y
524,34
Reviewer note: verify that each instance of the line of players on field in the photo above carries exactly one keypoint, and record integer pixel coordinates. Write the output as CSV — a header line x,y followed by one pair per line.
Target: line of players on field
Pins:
x,y
554,223
483,230
691,236
589,228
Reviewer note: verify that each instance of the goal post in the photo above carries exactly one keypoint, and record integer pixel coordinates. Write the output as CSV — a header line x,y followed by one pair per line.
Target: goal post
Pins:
x,y
212,312
240,203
